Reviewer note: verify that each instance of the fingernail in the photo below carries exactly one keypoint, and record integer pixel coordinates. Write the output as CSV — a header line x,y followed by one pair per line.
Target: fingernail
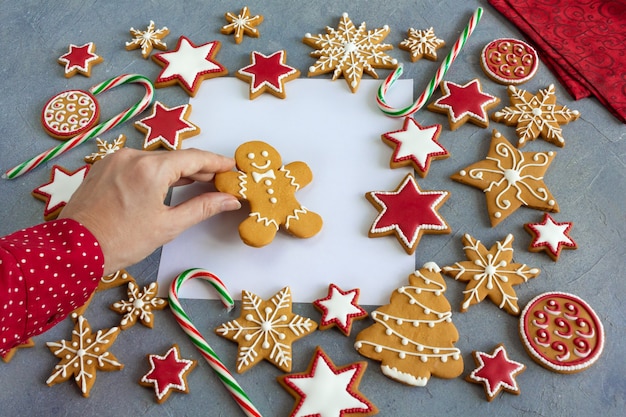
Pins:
x,y
230,204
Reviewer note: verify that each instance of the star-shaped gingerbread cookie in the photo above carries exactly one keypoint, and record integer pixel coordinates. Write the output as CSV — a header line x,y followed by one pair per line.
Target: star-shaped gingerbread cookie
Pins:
x,y
167,127
328,390
408,212
188,65
490,273
266,329
510,179
550,236
464,103
496,372
536,115
80,59
242,24
57,192
168,373
339,308
267,74
415,145
422,44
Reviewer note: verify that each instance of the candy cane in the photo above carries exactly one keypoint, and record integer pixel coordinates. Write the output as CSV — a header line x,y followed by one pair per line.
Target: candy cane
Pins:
x,y
96,130
434,82
209,354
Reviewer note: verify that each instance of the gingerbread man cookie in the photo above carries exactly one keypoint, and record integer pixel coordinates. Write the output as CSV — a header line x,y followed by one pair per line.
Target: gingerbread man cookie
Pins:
x,y
270,188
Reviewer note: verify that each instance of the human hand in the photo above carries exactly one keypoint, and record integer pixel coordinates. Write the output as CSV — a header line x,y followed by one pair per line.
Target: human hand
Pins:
x,y
121,201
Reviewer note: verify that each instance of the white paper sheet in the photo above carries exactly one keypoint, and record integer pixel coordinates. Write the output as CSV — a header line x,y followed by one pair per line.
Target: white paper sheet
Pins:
x,y
337,134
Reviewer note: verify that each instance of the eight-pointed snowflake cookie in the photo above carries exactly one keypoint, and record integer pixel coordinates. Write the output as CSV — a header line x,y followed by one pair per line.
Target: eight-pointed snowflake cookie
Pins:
x,y
106,148
80,59
268,74
266,329
496,372
350,51
550,236
242,24
422,44
168,373
490,273
328,390
536,115
148,39
339,308
510,179
58,191
139,306
83,355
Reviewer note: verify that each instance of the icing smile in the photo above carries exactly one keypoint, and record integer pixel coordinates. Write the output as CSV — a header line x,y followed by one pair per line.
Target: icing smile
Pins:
x,y
264,166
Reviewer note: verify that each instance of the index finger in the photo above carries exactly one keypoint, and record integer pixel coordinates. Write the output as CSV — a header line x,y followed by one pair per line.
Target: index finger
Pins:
x,y
195,164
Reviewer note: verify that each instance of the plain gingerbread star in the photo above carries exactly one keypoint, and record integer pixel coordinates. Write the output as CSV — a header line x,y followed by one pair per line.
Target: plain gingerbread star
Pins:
x,y
496,372
415,145
188,65
339,308
58,191
80,59
168,373
267,73
328,390
242,24
464,103
167,127
408,212
550,236
422,44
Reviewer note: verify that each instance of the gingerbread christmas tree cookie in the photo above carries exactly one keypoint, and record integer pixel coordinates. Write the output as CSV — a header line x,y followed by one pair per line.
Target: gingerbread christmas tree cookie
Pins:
x,y
266,330
490,273
349,51
413,337
510,179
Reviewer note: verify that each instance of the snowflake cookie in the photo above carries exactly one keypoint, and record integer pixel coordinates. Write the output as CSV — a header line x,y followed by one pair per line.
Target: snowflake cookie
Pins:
x,y
415,145
115,279
83,355
58,191
350,51
339,308
188,65
242,24
422,44
536,115
266,329
490,273
550,236
268,74
167,127
168,373
408,212
510,179
105,148
8,355
496,372
139,306
148,39
328,390
80,59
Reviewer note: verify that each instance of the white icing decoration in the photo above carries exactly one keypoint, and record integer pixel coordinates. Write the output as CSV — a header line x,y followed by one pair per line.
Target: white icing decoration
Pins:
x,y
62,187
418,143
340,306
188,61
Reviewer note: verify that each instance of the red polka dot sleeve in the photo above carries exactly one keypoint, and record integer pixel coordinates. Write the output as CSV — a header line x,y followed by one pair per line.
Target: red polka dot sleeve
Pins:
x,y
46,272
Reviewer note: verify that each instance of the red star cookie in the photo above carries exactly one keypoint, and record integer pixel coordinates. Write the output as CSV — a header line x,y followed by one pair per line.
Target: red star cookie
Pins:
x,y
550,236
496,372
168,373
327,390
339,308
188,65
415,145
464,103
267,74
167,127
58,191
408,212
80,59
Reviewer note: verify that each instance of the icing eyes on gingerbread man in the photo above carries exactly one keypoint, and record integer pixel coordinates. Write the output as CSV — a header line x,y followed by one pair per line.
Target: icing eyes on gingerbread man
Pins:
x,y
270,187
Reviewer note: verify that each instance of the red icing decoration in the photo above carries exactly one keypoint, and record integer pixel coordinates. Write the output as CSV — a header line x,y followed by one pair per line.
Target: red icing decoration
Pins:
x,y
408,212
79,59
497,372
268,71
542,241
509,61
168,372
165,126
465,101
344,323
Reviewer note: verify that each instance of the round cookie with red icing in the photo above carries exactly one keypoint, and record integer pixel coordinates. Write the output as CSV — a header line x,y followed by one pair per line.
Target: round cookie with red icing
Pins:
x,y
509,61
561,332
70,113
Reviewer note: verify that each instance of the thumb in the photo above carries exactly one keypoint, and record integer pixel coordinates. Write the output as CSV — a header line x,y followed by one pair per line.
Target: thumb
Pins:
x,y
201,207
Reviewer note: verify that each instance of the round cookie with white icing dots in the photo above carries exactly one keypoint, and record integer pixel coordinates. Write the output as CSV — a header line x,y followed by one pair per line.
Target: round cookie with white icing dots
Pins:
x,y
270,188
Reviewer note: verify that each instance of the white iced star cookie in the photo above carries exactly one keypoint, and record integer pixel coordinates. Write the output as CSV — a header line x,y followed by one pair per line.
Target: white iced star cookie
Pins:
x,y
339,308
550,236
58,191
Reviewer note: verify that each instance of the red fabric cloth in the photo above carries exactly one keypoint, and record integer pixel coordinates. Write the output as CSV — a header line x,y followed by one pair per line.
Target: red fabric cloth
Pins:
x,y
582,41
46,272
